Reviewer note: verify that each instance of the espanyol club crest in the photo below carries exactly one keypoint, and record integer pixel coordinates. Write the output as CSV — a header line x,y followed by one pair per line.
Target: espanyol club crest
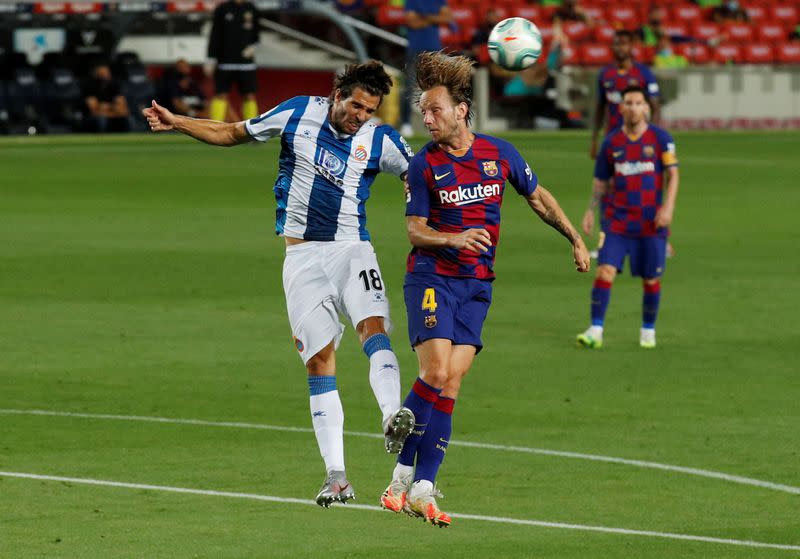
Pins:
x,y
490,168
648,151
299,345
360,153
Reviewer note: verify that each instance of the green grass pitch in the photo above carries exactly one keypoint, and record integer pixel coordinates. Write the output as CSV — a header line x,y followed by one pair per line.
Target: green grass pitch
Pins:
x,y
140,276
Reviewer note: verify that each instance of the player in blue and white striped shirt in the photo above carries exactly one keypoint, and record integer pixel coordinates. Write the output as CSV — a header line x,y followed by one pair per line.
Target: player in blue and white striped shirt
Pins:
x,y
330,155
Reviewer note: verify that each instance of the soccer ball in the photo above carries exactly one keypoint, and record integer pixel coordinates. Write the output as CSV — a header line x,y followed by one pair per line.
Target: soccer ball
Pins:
x,y
515,43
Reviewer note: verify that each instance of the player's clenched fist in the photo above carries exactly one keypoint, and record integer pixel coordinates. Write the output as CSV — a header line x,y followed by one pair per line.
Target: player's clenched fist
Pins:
x,y
158,118
475,240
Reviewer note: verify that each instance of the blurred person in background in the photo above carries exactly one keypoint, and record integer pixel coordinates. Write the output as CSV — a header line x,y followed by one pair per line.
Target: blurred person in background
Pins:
x,y
231,56
569,10
106,107
423,18
729,12
181,92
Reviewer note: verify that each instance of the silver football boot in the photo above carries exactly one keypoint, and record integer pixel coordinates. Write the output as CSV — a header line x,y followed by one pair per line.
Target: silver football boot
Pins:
x,y
397,428
335,488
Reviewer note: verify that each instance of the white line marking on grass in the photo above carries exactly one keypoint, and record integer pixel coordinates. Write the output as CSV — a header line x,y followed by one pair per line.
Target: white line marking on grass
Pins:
x,y
477,517
488,446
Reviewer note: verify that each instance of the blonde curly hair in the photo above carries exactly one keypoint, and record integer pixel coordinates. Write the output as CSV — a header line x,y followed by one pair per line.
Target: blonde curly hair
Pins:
x,y
435,69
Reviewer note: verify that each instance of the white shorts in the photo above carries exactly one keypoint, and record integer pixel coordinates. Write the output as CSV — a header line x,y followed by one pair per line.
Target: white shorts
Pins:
x,y
325,279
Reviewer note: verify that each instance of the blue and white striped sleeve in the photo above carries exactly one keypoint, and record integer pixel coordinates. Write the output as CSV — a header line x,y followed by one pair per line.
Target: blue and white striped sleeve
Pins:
x,y
395,153
272,123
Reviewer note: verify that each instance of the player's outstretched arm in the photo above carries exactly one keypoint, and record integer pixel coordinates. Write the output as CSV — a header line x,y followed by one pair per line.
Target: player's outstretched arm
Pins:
x,y
546,207
211,132
422,236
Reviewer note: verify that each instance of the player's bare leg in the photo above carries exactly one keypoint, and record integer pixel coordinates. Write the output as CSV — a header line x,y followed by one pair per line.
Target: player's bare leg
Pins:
x,y
384,378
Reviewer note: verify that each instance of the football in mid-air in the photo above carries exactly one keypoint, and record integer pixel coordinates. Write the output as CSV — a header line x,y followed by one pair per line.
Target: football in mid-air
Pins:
x,y
515,43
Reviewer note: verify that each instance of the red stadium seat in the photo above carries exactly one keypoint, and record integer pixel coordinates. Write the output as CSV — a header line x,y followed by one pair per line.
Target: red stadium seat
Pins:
x,y
696,53
547,33
726,53
625,16
756,12
597,13
464,16
738,32
596,54
451,40
771,32
787,14
687,13
644,54
576,30
390,16
604,33
788,53
529,12
570,56
705,30
673,29
758,53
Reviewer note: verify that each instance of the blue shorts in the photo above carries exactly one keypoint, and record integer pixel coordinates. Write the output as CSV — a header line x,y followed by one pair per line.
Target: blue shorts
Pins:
x,y
446,307
647,255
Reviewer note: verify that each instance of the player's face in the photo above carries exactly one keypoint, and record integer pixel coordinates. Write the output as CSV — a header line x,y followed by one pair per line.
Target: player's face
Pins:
x,y
441,115
622,47
350,113
634,108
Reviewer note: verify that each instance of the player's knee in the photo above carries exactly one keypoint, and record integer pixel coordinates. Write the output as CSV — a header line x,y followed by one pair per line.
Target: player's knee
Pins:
x,y
322,363
606,273
435,373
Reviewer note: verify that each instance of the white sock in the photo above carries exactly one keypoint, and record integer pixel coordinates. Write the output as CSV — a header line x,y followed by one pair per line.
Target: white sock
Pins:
x,y
596,331
421,486
384,378
327,416
401,470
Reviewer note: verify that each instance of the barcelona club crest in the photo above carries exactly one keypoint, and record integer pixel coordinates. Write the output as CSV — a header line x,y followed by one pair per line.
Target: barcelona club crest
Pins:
x,y
648,151
490,168
430,321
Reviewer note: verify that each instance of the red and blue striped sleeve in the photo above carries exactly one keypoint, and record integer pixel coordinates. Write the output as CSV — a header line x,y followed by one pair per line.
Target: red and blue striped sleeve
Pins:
x,y
418,201
520,175
603,167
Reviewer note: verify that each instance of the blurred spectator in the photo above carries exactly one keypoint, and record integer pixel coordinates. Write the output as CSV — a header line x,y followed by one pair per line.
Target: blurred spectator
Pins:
x,y
106,108
729,11
665,57
231,54
650,32
570,11
181,93
423,18
480,36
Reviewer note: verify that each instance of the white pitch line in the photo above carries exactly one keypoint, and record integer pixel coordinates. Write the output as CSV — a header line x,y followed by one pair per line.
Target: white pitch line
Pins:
x,y
477,517
488,446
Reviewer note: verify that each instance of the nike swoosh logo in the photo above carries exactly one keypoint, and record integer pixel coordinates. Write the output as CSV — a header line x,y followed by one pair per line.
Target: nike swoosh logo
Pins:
x,y
438,177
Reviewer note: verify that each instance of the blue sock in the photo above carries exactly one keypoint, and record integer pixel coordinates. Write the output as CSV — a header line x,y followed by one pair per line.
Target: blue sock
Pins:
x,y
420,400
650,302
433,447
601,294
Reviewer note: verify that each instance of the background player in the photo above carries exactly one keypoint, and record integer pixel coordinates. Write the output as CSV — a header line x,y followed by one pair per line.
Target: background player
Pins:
x,y
231,56
628,178
615,78
329,158
456,187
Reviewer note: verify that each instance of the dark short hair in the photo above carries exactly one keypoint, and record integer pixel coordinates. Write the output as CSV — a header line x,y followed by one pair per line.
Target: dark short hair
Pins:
x,y
624,34
370,76
635,89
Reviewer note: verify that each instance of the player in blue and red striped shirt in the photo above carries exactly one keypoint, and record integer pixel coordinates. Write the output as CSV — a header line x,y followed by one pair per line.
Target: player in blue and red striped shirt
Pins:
x,y
614,79
636,210
456,186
